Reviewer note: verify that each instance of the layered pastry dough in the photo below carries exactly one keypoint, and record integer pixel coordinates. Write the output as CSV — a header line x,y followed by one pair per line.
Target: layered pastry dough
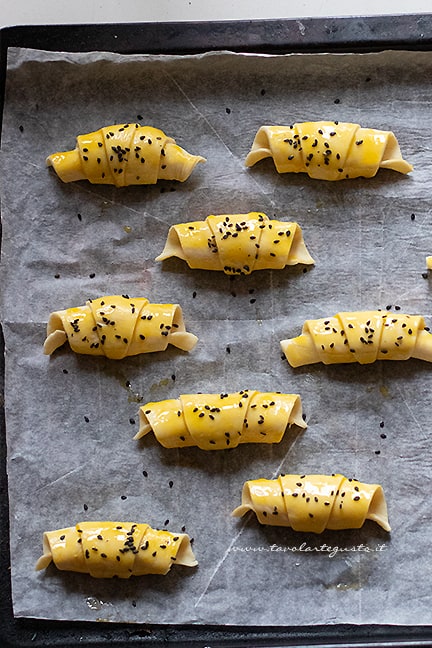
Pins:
x,y
124,154
314,502
122,549
363,336
221,421
328,150
118,326
237,243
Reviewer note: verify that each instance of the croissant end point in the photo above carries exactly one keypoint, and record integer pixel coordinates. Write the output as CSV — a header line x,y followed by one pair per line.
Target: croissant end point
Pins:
x,y
54,341
185,555
240,510
67,165
186,165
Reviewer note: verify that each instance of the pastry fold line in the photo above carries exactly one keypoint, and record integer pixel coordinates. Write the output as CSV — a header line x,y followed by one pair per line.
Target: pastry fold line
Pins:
x,y
121,549
327,150
221,421
122,155
313,503
117,326
237,243
360,336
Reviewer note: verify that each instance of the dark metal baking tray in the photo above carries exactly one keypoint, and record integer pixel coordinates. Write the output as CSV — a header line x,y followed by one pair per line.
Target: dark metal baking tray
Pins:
x,y
354,34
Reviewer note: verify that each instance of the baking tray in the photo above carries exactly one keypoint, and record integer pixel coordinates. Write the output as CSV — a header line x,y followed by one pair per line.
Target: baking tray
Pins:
x,y
356,34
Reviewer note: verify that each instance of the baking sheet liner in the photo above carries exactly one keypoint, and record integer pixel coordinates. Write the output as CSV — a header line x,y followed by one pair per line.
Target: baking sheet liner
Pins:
x,y
70,419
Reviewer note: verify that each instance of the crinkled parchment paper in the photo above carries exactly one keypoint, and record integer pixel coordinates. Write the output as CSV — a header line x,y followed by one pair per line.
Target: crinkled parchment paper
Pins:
x,y
71,419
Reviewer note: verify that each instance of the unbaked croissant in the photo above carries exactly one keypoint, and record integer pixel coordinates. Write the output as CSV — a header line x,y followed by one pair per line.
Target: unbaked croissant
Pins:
x,y
363,336
237,243
328,150
314,502
118,326
221,421
122,549
124,154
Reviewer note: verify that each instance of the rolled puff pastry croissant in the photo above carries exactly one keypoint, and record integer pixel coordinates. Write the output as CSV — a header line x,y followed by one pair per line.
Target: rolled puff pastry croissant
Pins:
x,y
122,549
314,502
237,243
328,150
124,154
363,336
221,421
118,326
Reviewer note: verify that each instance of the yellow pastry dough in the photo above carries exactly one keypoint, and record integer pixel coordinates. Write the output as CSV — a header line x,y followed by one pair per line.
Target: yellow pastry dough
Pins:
x,y
328,150
314,502
221,421
124,154
122,549
429,262
118,326
237,243
363,336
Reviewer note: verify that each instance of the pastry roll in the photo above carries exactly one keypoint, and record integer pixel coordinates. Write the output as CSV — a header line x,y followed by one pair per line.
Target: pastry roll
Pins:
x,y
363,336
237,243
122,155
221,421
328,150
118,326
429,262
122,549
313,503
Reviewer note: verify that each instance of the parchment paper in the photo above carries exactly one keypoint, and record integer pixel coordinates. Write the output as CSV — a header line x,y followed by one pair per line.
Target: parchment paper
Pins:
x,y
70,419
